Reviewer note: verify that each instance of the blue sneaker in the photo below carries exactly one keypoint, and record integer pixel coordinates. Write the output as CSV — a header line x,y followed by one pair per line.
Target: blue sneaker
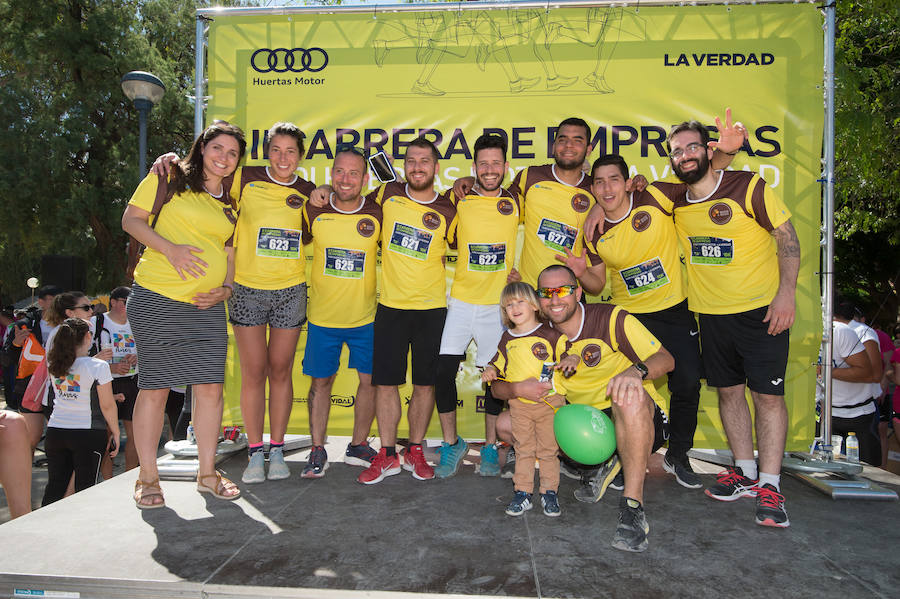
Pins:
x,y
256,469
359,455
451,457
490,462
278,470
520,504
550,503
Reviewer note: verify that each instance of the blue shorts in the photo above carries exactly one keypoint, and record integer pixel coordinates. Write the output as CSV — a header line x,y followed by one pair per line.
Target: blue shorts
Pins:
x,y
322,355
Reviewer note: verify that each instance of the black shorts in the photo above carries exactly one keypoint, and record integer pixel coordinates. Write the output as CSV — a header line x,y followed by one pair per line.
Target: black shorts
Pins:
x,y
660,425
885,408
126,385
401,332
738,350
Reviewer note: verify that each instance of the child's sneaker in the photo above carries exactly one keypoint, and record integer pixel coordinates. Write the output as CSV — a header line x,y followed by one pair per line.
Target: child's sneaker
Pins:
x,y
550,503
520,504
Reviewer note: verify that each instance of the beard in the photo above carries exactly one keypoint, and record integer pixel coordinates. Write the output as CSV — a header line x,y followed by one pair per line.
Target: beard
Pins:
x,y
570,165
695,175
429,184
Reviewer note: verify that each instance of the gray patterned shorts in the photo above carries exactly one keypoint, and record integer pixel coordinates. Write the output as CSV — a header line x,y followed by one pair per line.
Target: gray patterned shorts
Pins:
x,y
278,308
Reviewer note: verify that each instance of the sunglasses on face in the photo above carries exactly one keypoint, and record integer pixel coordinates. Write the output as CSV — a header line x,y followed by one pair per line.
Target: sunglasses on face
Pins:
x,y
85,307
563,291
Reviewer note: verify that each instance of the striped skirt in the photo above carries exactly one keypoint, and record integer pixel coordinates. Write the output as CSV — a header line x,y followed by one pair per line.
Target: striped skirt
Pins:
x,y
177,343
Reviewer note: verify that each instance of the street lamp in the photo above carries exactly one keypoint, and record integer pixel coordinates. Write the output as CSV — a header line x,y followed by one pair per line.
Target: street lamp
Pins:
x,y
33,283
145,90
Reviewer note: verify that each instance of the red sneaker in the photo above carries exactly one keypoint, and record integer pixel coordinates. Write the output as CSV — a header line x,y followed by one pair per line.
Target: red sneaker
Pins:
x,y
414,461
382,465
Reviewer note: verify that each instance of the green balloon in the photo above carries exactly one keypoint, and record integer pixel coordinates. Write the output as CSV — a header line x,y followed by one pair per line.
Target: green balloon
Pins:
x,y
584,433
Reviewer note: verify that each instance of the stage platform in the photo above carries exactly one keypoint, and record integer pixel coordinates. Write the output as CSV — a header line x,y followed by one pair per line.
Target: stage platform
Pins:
x,y
335,538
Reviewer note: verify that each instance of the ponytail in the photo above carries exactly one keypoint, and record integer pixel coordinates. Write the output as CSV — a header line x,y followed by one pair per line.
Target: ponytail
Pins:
x,y
65,345
56,313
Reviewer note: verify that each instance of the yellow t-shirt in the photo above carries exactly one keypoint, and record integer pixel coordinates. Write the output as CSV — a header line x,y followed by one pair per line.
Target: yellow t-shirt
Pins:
x,y
530,355
727,242
268,249
413,245
641,255
609,341
554,214
345,250
484,232
189,218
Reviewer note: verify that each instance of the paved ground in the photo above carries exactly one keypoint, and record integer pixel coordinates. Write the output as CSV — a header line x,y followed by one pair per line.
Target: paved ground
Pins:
x,y
302,538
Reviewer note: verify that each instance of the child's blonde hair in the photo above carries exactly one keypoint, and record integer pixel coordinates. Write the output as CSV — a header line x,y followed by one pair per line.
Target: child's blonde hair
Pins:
x,y
518,290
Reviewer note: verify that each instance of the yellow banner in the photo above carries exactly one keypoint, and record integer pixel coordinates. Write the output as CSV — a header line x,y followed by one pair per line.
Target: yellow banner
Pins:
x,y
378,80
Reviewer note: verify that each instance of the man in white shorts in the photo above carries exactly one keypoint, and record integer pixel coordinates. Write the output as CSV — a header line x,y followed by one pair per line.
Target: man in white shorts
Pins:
x,y
484,231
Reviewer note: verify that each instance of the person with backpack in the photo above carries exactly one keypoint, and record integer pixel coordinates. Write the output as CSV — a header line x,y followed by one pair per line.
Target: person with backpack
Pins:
x,y
114,332
177,305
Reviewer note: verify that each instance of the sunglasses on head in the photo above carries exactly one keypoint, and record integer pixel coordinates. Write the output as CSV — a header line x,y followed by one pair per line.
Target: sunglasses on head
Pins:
x,y
562,291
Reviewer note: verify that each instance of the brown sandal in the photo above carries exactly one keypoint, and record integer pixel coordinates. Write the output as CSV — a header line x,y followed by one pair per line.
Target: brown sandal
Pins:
x,y
222,484
144,490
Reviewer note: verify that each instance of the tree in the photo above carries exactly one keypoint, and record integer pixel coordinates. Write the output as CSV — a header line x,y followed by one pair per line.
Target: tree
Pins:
x,y
71,139
867,143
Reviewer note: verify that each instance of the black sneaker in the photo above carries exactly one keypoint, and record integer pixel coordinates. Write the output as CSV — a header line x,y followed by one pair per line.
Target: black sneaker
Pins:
x,y
317,464
594,488
631,533
509,466
618,483
569,469
683,472
732,485
770,507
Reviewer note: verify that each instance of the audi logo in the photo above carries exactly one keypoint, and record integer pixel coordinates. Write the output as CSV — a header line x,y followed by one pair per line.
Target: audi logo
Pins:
x,y
282,60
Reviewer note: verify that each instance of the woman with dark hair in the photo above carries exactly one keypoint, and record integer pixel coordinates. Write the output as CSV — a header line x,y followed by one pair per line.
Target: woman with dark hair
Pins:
x,y
269,302
177,309
84,419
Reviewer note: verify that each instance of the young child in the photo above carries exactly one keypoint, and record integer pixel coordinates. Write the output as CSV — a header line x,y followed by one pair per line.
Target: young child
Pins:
x,y
527,350
84,419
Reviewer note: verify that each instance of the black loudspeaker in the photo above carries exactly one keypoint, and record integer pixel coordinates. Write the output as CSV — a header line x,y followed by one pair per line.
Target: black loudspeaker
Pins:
x,y
67,272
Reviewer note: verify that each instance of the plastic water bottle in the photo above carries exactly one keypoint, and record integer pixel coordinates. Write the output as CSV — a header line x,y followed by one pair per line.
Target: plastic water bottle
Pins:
x,y
852,448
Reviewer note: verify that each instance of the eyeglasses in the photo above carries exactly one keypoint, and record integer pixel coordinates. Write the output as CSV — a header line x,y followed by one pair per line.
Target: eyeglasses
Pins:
x,y
691,148
563,291
85,307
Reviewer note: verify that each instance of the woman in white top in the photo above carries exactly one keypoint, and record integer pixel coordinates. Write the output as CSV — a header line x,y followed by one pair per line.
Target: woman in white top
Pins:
x,y
84,418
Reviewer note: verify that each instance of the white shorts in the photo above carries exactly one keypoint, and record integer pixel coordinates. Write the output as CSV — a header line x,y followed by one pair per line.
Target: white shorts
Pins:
x,y
467,321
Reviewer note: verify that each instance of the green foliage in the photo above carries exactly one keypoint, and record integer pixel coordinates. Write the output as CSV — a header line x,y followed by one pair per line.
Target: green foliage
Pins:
x,y
71,139
867,143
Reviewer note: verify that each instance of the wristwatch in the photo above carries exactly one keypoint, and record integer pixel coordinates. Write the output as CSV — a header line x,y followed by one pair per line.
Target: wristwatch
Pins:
x,y
642,368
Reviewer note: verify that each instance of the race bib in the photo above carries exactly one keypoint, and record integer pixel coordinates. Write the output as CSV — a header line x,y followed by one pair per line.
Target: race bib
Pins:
x,y
278,243
557,236
346,264
711,250
410,241
644,277
487,257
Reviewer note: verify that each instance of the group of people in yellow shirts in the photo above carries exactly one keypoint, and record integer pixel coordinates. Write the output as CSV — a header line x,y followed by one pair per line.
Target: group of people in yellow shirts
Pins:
x,y
236,234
